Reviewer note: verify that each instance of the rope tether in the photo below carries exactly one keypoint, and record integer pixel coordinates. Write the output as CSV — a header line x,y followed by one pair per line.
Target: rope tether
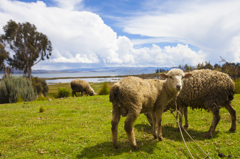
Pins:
x,y
178,112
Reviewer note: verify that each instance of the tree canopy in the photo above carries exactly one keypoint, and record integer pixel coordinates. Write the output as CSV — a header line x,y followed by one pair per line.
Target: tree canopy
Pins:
x,y
29,45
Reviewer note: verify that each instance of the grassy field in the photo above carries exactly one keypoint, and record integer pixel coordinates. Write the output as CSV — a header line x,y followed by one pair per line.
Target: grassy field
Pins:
x,y
80,127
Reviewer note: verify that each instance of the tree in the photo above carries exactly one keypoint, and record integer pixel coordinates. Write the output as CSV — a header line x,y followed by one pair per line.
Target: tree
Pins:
x,y
208,65
29,45
3,56
217,67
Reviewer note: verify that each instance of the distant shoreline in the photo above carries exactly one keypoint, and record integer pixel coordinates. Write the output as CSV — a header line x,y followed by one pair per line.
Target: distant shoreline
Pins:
x,y
117,76
54,78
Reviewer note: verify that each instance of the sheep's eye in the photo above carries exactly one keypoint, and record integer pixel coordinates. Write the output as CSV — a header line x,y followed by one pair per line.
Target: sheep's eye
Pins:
x,y
171,77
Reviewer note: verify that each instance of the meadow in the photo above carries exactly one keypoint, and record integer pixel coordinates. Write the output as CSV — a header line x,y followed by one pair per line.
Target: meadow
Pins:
x,y
80,127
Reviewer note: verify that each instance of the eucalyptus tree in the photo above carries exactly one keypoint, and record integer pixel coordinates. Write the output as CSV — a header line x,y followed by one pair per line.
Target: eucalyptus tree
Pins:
x,y
29,45
3,57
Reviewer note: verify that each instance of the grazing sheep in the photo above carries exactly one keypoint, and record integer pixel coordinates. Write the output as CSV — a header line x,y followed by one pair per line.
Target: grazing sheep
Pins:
x,y
209,90
82,86
131,96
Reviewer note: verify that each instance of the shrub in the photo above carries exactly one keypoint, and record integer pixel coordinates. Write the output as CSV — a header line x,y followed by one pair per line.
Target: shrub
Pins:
x,y
63,92
19,99
237,86
11,88
41,98
105,89
40,86
41,109
53,95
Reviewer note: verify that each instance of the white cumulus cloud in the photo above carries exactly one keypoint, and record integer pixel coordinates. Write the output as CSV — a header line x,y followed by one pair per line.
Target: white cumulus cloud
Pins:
x,y
82,37
212,26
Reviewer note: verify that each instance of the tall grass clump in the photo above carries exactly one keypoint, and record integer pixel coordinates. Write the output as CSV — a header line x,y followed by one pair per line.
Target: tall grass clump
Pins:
x,y
41,109
105,89
12,88
40,86
63,92
237,86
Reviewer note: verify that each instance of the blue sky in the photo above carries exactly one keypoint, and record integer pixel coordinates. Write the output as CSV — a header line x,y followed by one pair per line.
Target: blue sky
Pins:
x,y
94,33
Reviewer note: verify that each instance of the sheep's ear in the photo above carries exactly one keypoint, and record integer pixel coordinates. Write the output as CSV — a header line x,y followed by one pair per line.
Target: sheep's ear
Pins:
x,y
187,75
164,76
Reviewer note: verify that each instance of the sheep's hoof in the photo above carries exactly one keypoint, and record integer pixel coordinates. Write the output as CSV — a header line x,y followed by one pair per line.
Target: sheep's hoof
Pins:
x,y
135,147
232,129
116,146
178,130
207,136
185,126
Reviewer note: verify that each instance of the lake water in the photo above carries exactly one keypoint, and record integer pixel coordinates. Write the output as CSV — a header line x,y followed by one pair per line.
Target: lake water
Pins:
x,y
78,75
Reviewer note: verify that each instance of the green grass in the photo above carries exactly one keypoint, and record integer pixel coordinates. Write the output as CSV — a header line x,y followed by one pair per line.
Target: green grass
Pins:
x,y
81,128
53,88
237,86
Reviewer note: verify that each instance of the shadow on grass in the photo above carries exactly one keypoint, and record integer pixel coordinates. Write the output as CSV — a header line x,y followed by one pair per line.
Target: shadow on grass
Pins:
x,y
106,149
172,133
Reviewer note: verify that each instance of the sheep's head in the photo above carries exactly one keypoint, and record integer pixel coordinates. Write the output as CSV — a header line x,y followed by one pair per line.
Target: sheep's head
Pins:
x,y
175,78
91,92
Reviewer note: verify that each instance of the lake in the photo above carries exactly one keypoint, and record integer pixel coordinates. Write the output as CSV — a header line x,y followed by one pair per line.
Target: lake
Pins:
x,y
78,75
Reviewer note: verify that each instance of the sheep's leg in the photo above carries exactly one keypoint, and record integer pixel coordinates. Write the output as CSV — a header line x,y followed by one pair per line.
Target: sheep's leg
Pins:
x,y
180,116
154,125
149,117
158,114
216,118
186,117
233,116
131,117
81,94
72,93
115,121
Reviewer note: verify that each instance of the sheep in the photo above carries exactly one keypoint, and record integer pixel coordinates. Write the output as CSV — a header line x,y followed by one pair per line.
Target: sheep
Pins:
x,y
209,90
131,96
82,86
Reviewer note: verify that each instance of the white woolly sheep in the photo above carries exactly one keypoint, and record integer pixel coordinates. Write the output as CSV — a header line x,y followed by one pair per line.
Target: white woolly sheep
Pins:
x,y
82,86
209,90
131,96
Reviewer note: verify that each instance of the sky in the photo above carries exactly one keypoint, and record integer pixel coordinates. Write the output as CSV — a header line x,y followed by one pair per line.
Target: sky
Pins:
x,y
131,33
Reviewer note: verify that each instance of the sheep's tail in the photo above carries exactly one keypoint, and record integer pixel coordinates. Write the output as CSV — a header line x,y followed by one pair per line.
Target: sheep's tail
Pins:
x,y
114,91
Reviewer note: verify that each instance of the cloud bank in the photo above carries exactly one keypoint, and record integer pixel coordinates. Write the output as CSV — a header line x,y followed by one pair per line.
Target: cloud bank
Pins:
x,y
210,25
81,38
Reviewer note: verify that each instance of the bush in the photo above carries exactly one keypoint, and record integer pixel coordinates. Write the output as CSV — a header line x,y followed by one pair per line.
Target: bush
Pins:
x,y
53,95
40,86
237,86
63,92
41,109
14,88
41,98
19,99
105,89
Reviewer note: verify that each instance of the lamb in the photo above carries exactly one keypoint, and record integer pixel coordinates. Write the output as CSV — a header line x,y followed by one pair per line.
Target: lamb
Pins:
x,y
82,86
209,90
131,96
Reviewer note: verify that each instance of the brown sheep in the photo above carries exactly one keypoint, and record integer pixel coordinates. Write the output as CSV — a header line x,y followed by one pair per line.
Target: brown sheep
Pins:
x,y
131,96
82,86
209,90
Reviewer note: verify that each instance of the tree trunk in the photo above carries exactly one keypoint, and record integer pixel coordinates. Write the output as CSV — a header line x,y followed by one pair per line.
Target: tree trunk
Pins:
x,y
30,73
5,72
